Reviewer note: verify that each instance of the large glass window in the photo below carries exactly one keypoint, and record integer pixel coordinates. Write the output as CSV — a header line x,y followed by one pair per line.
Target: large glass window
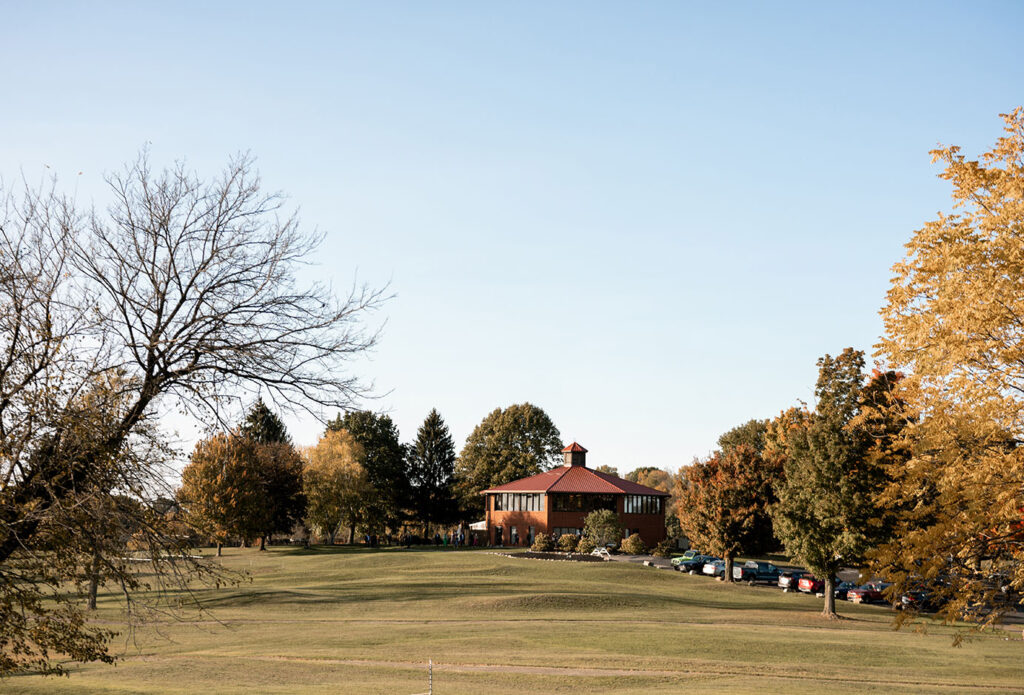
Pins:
x,y
518,502
581,502
642,504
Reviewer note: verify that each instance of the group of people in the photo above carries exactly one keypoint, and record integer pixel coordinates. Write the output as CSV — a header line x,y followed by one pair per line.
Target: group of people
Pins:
x,y
448,538
455,538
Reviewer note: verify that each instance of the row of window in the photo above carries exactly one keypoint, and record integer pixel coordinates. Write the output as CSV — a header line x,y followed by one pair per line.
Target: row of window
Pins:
x,y
643,504
534,502
518,502
582,503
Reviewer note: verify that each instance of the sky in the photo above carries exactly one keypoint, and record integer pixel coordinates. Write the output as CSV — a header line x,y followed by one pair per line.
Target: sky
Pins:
x,y
649,219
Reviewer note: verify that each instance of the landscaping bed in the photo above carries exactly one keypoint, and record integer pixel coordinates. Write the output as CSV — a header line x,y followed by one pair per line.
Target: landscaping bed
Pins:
x,y
572,557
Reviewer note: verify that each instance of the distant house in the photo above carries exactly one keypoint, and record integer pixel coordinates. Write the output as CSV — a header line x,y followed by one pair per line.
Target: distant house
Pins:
x,y
557,501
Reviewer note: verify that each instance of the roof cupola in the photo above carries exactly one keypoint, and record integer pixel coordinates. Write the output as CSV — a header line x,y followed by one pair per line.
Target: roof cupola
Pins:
x,y
575,455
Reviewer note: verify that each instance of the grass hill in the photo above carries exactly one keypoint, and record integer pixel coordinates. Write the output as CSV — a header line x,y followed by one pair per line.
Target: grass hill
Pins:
x,y
362,621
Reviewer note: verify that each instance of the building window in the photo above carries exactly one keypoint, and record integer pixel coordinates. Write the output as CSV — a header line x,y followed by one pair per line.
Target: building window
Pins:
x,y
582,503
643,504
518,502
560,531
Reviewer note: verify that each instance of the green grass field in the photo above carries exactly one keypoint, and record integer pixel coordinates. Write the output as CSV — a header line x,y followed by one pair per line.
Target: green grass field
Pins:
x,y
355,621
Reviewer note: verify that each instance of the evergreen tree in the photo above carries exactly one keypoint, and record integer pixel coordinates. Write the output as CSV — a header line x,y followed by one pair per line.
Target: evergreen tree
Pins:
x,y
263,426
279,466
431,470
384,459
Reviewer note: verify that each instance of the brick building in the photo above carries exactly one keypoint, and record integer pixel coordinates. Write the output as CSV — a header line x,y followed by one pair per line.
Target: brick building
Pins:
x,y
557,501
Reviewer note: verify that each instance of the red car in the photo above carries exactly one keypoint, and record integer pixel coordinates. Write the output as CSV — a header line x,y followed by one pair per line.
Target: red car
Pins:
x,y
810,584
867,593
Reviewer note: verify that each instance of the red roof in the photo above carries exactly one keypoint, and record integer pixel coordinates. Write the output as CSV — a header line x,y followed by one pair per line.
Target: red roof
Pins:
x,y
576,479
574,448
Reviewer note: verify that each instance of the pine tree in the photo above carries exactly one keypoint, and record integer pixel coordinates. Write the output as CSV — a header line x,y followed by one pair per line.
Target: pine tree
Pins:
x,y
263,426
431,470
279,466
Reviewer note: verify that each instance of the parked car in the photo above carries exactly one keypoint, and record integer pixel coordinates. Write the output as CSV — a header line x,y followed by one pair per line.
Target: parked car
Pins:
x,y
809,584
694,564
918,600
788,579
714,568
688,555
867,593
842,588
753,571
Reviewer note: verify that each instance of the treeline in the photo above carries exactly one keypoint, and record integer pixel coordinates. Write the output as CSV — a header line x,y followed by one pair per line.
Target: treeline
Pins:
x,y
359,478
810,481
914,471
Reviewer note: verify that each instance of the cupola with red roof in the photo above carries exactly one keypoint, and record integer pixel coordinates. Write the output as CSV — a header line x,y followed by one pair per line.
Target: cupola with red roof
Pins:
x,y
575,455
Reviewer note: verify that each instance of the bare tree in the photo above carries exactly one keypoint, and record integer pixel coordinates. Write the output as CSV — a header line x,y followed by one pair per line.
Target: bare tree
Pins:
x,y
183,293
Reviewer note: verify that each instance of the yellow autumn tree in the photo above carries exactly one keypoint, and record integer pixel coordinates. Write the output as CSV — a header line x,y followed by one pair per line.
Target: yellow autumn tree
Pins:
x,y
334,482
954,325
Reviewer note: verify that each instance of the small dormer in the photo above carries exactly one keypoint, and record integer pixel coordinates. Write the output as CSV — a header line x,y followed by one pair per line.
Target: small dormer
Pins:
x,y
575,455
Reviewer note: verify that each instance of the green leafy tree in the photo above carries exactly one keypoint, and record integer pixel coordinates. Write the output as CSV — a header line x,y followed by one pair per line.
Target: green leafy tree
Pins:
x,y
751,433
602,527
384,459
509,444
719,508
605,468
827,503
431,472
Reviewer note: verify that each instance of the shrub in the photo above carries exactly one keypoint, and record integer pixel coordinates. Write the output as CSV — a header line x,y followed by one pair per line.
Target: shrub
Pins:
x,y
666,548
633,545
585,546
568,542
543,543
602,526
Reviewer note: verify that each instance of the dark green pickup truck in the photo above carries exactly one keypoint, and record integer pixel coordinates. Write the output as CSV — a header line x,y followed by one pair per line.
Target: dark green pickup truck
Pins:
x,y
754,571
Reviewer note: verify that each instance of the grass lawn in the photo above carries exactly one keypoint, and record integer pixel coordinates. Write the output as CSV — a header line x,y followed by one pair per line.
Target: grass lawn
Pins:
x,y
362,621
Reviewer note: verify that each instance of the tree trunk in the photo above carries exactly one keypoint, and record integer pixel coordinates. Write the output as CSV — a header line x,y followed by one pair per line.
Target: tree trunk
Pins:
x,y
728,567
352,533
330,537
263,542
94,577
219,546
830,597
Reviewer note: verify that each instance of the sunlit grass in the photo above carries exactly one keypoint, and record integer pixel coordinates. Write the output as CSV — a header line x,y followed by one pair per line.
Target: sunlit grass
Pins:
x,y
347,620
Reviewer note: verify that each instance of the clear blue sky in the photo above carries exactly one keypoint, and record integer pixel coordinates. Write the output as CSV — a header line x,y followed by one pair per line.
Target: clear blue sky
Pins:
x,y
649,219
